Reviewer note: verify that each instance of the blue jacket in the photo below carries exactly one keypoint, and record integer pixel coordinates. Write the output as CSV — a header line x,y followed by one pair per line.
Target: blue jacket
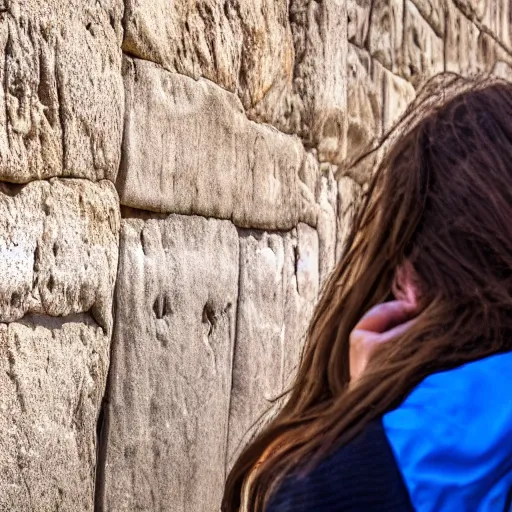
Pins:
x,y
446,448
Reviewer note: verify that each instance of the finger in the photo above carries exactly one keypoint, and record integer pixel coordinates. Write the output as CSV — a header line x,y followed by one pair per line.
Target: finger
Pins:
x,y
394,332
387,315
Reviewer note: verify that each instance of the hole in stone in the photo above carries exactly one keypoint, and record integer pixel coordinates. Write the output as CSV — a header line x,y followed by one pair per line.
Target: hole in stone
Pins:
x,y
51,284
11,189
209,318
35,267
112,21
55,249
416,38
161,307
15,300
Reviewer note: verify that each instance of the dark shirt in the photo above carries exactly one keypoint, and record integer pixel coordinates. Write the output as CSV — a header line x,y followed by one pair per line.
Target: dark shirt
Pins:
x,y
361,476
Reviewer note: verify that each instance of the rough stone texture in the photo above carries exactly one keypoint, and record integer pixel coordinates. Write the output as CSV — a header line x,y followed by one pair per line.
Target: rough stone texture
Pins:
x,y
269,114
461,42
315,107
422,48
398,93
238,169
61,98
327,192
358,19
364,108
303,281
387,33
245,47
492,16
434,12
349,198
58,249
285,60
167,414
52,379
278,286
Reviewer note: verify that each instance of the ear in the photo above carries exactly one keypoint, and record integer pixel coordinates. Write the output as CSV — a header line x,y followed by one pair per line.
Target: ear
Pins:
x,y
404,287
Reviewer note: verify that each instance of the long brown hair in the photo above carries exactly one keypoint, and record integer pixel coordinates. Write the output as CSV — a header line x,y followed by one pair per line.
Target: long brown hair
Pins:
x,y
442,201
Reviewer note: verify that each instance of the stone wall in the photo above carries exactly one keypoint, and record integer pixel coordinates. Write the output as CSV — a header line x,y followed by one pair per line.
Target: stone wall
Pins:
x,y
168,213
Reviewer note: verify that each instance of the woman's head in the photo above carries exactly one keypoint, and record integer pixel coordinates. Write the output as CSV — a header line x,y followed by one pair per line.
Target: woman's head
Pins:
x,y
437,221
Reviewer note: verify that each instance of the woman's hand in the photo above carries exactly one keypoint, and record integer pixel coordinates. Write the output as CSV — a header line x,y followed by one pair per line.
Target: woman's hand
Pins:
x,y
382,323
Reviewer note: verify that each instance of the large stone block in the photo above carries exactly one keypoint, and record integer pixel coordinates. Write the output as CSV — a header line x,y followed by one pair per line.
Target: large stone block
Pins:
x,y
327,192
434,11
278,287
364,101
58,249
165,434
303,287
285,60
358,16
398,94
61,99
315,106
474,9
490,54
423,54
461,45
189,149
52,379
245,47
386,33
350,195
497,19
492,16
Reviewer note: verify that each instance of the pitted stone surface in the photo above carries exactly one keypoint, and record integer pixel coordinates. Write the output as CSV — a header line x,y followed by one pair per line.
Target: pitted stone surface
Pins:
x,y
52,379
165,435
237,169
61,100
279,281
58,249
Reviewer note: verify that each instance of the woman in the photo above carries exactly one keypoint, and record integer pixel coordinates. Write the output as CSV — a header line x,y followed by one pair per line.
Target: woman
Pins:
x,y
410,407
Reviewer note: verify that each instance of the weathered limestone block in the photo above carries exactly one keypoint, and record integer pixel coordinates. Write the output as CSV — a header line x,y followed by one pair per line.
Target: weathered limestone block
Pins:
x,y
398,93
491,15
285,60
278,286
461,45
386,33
258,356
358,14
239,169
245,47
434,12
303,283
489,53
61,99
364,102
502,70
52,379
497,20
473,9
308,179
327,192
58,249
350,195
168,403
422,48
315,108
